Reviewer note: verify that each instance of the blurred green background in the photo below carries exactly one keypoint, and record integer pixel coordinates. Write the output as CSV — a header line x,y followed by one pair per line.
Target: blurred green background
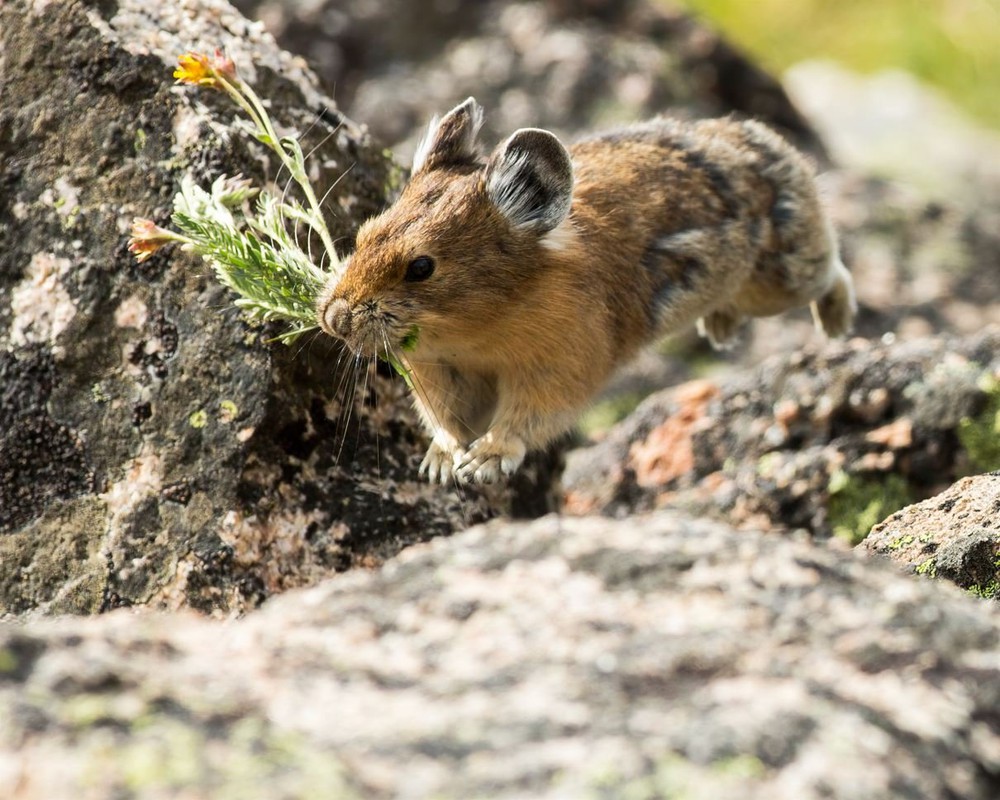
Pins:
x,y
951,44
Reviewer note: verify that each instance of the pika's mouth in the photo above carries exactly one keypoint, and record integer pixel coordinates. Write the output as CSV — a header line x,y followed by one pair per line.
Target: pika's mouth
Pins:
x,y
367,330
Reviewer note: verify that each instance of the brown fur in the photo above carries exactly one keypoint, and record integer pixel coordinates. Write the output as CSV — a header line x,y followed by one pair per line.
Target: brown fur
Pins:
x,y
520,325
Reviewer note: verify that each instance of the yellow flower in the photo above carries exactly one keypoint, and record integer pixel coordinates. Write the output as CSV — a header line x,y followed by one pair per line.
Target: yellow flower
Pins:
x,y
193,68
148,237
196,69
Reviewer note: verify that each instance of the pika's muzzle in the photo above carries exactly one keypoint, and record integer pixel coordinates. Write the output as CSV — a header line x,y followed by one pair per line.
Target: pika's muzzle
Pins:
x,y
335,319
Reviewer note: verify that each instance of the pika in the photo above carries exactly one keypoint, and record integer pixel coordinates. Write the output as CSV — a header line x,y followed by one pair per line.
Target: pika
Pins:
x,y
532,274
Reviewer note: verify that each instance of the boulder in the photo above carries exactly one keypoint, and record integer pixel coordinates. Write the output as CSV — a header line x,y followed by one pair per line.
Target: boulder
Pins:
x,y
658,656
155,449
565,65
954,535
831,439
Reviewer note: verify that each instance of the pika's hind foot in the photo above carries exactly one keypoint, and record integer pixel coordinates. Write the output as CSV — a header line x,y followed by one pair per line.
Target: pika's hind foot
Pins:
x,y
834,312
720,328
491,456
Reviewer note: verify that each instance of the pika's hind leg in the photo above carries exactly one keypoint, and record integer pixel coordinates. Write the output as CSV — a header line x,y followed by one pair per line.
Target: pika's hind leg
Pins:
x,y
834,311
798,262
721,327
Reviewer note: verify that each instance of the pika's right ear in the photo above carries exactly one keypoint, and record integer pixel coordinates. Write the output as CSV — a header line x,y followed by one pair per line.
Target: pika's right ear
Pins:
x,y
451,139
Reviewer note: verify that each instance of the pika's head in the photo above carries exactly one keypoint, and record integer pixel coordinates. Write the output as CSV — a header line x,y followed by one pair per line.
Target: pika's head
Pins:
x,y
460,242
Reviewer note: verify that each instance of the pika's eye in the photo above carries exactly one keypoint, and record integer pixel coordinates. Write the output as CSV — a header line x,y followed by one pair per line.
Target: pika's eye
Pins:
x,y
420,269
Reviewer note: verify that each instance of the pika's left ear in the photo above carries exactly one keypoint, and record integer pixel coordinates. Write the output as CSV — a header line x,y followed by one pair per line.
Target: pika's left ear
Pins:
x,y
529,178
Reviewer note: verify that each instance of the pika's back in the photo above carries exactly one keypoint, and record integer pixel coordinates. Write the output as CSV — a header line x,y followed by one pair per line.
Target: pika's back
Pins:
x,y
688,175
688,211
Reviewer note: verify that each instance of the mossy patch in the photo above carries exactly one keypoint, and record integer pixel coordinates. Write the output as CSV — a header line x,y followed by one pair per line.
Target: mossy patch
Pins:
x,y
986,591
857,504
980,435
608,413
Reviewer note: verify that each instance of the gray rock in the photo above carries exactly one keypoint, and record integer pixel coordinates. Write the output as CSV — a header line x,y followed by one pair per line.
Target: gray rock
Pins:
x,y
565,65
954,535
831,439
567,658
154,448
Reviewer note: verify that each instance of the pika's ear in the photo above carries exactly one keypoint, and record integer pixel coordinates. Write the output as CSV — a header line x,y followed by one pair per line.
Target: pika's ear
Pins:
x,y
529,178
451,139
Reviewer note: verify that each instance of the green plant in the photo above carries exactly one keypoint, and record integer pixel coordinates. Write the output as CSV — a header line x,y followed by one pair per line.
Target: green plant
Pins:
x,y
857,504
249,247
980,435
245,233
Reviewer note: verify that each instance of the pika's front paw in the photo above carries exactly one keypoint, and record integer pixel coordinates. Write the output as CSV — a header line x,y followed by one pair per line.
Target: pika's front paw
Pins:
x,y
440,462
491,456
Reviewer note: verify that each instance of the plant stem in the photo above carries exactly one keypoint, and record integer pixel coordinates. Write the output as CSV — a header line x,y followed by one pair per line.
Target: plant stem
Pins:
x,y
248,100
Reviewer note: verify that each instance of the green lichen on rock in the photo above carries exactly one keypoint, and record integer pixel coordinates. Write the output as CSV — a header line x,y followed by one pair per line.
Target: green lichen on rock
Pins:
x,y
927,567
167,756
395,177
980,435
857,504
987,591
198,419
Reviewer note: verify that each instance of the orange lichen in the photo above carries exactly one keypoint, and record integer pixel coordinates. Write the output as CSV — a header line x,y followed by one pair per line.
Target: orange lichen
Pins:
x,y
896,435
668,452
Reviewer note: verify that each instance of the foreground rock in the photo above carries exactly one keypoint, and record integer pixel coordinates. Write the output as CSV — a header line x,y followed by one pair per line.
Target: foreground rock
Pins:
x,y
565,658
954,535
154,449
832,439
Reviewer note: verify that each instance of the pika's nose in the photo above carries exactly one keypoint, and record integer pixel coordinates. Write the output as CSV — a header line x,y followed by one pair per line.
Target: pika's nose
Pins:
x,y
336,319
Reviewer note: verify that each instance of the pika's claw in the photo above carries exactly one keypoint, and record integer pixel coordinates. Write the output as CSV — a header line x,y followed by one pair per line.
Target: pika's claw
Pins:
x,y
489,457
440,462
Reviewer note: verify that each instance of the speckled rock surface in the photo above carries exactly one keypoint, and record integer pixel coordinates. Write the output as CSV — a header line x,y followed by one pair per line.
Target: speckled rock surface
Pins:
x,y
565,65
954,535
831,439
566,658
154,449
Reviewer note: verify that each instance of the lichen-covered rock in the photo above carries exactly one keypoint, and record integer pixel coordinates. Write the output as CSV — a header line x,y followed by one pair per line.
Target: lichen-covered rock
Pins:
x,y
154,448
565,65
567,658
832,439
954,535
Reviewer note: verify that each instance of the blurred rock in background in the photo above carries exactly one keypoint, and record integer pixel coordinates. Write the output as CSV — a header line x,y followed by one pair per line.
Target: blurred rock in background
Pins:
x,y
566,65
